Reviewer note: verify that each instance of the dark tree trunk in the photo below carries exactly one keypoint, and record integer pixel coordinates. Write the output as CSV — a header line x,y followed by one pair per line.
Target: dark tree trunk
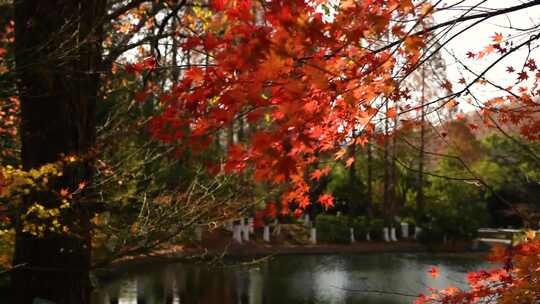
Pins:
x,y
396,205
387,178
58,54
369,200
420,204
241,129
354,205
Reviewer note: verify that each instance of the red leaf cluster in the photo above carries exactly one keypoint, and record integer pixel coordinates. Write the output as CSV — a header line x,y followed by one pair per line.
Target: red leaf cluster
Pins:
x,y
303,100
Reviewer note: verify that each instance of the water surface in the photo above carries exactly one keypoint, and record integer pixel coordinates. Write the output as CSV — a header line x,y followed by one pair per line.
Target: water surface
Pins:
x,y
292,279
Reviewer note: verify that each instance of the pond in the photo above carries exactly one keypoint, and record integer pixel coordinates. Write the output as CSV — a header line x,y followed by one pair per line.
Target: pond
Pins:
x,y
292,279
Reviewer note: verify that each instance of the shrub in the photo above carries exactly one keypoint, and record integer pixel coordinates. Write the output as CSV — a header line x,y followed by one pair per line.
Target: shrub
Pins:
x,y
456,224
332,229
430,234
375,228
361,227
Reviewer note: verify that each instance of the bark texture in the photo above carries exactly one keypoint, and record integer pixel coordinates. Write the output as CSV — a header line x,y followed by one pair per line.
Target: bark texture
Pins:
x,y
58,54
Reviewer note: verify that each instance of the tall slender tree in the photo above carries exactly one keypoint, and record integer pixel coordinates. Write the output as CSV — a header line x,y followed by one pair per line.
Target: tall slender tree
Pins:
x,y
420,204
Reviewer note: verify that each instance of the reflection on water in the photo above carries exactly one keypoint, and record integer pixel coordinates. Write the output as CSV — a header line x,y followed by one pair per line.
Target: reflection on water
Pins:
x,y
318,279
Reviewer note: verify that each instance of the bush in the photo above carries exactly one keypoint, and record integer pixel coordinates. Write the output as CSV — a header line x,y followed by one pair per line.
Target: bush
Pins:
x,y
430,234
361,227
287,219
375,229
456,224
332,229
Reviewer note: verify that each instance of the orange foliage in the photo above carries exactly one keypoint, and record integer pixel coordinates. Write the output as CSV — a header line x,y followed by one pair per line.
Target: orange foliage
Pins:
x,y
303,80
516,281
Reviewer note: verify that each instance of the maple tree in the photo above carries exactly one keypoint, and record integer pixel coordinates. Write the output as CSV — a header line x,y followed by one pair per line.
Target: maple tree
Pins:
x,y
307,82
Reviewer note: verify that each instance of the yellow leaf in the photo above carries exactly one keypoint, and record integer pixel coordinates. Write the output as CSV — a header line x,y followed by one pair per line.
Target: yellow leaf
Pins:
x,y
340,154
530,234
451,104
426,9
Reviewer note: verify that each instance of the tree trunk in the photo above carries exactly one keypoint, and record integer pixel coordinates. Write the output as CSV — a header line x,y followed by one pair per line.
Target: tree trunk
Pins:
x,y
396,205
58,54
387,199
420,204
369,201
354,205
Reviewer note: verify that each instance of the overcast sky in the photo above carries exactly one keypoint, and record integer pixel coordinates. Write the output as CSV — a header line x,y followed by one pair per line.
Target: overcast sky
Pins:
x,y
478,37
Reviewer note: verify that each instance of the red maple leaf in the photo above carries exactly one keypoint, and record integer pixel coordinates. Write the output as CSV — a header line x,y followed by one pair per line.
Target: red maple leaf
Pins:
x,y
149,63
134,68
447,85
141,95
64,192
392,113
270,210
497,38
218,5
531,64
523,76
327,200
316,175
82,185
196,74
434,272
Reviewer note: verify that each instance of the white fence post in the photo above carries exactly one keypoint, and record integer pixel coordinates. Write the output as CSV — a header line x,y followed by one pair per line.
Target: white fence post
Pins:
x,y
237,233
404,230
266,233
352,235
313,236
393,237
251,225
245,230
198,233
229,225
307,221
386,237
